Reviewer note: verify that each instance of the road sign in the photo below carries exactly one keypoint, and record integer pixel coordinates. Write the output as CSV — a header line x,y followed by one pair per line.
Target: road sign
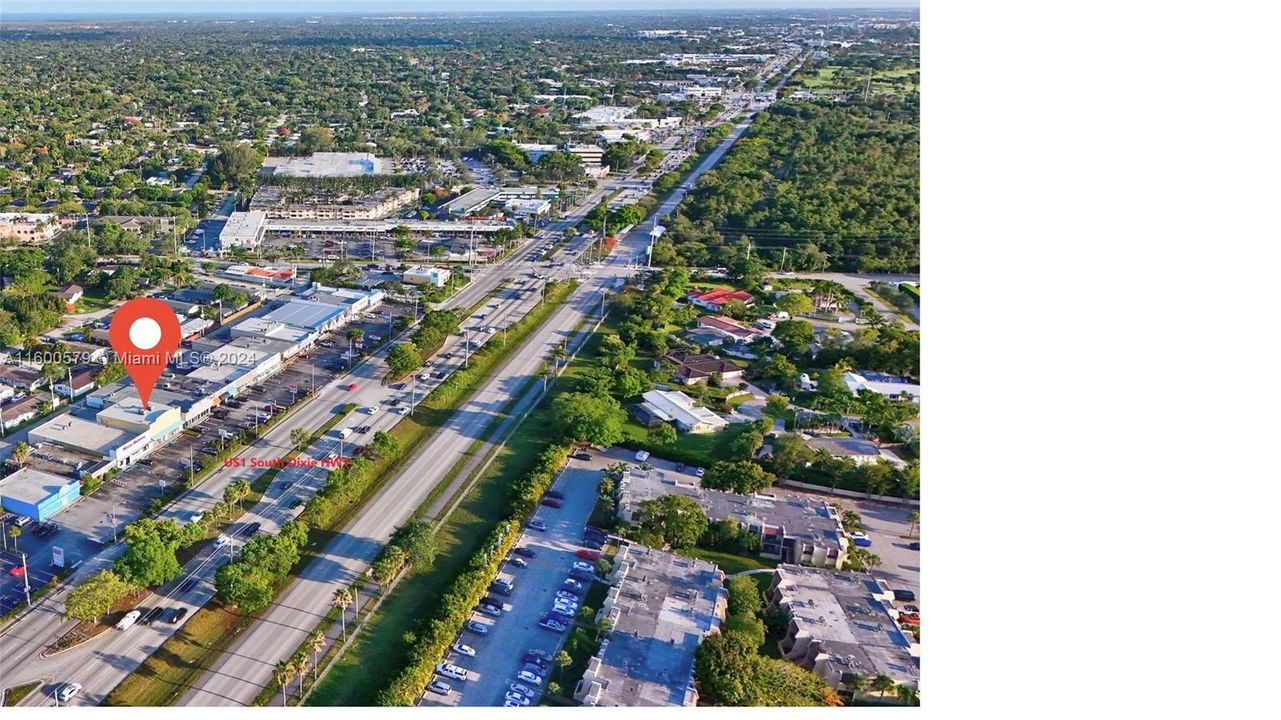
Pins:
x,y
293,389
59,559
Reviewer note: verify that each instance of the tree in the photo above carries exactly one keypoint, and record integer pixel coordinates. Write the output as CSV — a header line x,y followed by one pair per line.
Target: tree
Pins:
x,y
150,558
563,660
776,405
794,304
300,666
21,453
316,641
790,454
795,335
342,598
15,532
589,418
404,358
743,594
235,164
316,138
907,695
856,684
614,353
779,370
914,518
674,521
110,373
284,668
883,684
740,476
418,541
725,668
236,492
95,596
661,435
300,437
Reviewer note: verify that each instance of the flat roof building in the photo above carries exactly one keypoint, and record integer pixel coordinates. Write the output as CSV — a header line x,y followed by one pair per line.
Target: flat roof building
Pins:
x,y
113,444
792,527
426,275
244,229
888,385
306,314
470,202
660,607
37,494
328,164
841,624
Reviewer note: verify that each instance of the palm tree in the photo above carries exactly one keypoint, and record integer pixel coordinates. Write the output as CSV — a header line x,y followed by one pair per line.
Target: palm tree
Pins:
x,y
236,492
856,684
316,640
283,670
907,695
14,532
21,453
342,598
882,684
913,517
301,666
563,660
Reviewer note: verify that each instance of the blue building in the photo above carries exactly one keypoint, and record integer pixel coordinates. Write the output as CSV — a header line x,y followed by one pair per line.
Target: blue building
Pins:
x,y
36,494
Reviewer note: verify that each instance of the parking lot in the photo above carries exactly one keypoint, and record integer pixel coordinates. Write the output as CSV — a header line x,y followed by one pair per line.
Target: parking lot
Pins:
x,y
500,652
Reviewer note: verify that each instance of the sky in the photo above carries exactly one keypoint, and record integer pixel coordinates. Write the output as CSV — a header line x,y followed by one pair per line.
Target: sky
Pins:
x,y
86,8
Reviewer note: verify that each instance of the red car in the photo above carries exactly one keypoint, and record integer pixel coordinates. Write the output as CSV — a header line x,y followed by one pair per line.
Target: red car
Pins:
x,y
551,502
351,386
16,571
909,618
588,555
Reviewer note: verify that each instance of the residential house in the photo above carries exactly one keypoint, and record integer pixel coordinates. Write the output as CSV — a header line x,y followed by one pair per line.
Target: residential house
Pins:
x,y
695,368
679,409
70,295
715,300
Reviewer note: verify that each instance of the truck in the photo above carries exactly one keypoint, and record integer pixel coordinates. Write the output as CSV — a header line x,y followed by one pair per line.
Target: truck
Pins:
x,y
343,433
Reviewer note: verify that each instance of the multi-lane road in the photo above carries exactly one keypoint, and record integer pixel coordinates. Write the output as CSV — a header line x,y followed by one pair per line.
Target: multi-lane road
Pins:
x,y
238,675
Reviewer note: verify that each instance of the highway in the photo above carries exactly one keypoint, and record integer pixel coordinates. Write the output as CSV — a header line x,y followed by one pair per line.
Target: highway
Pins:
x,y
239,674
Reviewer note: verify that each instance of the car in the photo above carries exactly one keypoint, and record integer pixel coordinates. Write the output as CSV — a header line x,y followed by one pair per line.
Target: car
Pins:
x,y
642,456
252,529
16,570
529,677
914,546
566,595
500,588
533,652
522,689
565,606
297,503
489,610
548,623
151,615
440,687
68,691
680,467
188,584
517,698
128,620
540,662
539,525
572,584
582,456
400,410
554,494
862,542
462,649
370,409
351,386
564,612
904,596
177,615
909,618
856,535
518,562
551,502
222,541
585,567
592,555
525,551
595,542
699,472
477,627
452,671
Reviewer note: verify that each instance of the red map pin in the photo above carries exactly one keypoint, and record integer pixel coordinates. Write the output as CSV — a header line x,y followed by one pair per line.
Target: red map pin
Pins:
x,y
145,332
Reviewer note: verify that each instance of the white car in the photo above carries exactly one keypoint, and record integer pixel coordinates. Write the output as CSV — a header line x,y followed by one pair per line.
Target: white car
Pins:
x,y
127,621
400,410
462,649
197,516
515,697
68,691
856,535
440,687
370,409
221,541
529,677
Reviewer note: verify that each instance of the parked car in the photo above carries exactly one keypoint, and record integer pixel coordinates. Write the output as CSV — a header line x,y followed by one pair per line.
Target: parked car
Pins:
x,y
551,502
862,542
538,525
440,687
517,698
549,623
489,610
582,456
914,546
555,494
518,562
16,571
462,649
522,689
572,584
538,660
592,555
906,618
525,551
451,671
904,596
500,589
585,567
699,472
529,677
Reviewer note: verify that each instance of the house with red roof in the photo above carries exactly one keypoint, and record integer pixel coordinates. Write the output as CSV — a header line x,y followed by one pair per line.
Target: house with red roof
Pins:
x,y
714,300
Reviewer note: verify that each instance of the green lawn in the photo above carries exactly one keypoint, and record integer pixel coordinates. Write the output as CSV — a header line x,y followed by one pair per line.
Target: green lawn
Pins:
x,y
17,693
730,563
699,450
